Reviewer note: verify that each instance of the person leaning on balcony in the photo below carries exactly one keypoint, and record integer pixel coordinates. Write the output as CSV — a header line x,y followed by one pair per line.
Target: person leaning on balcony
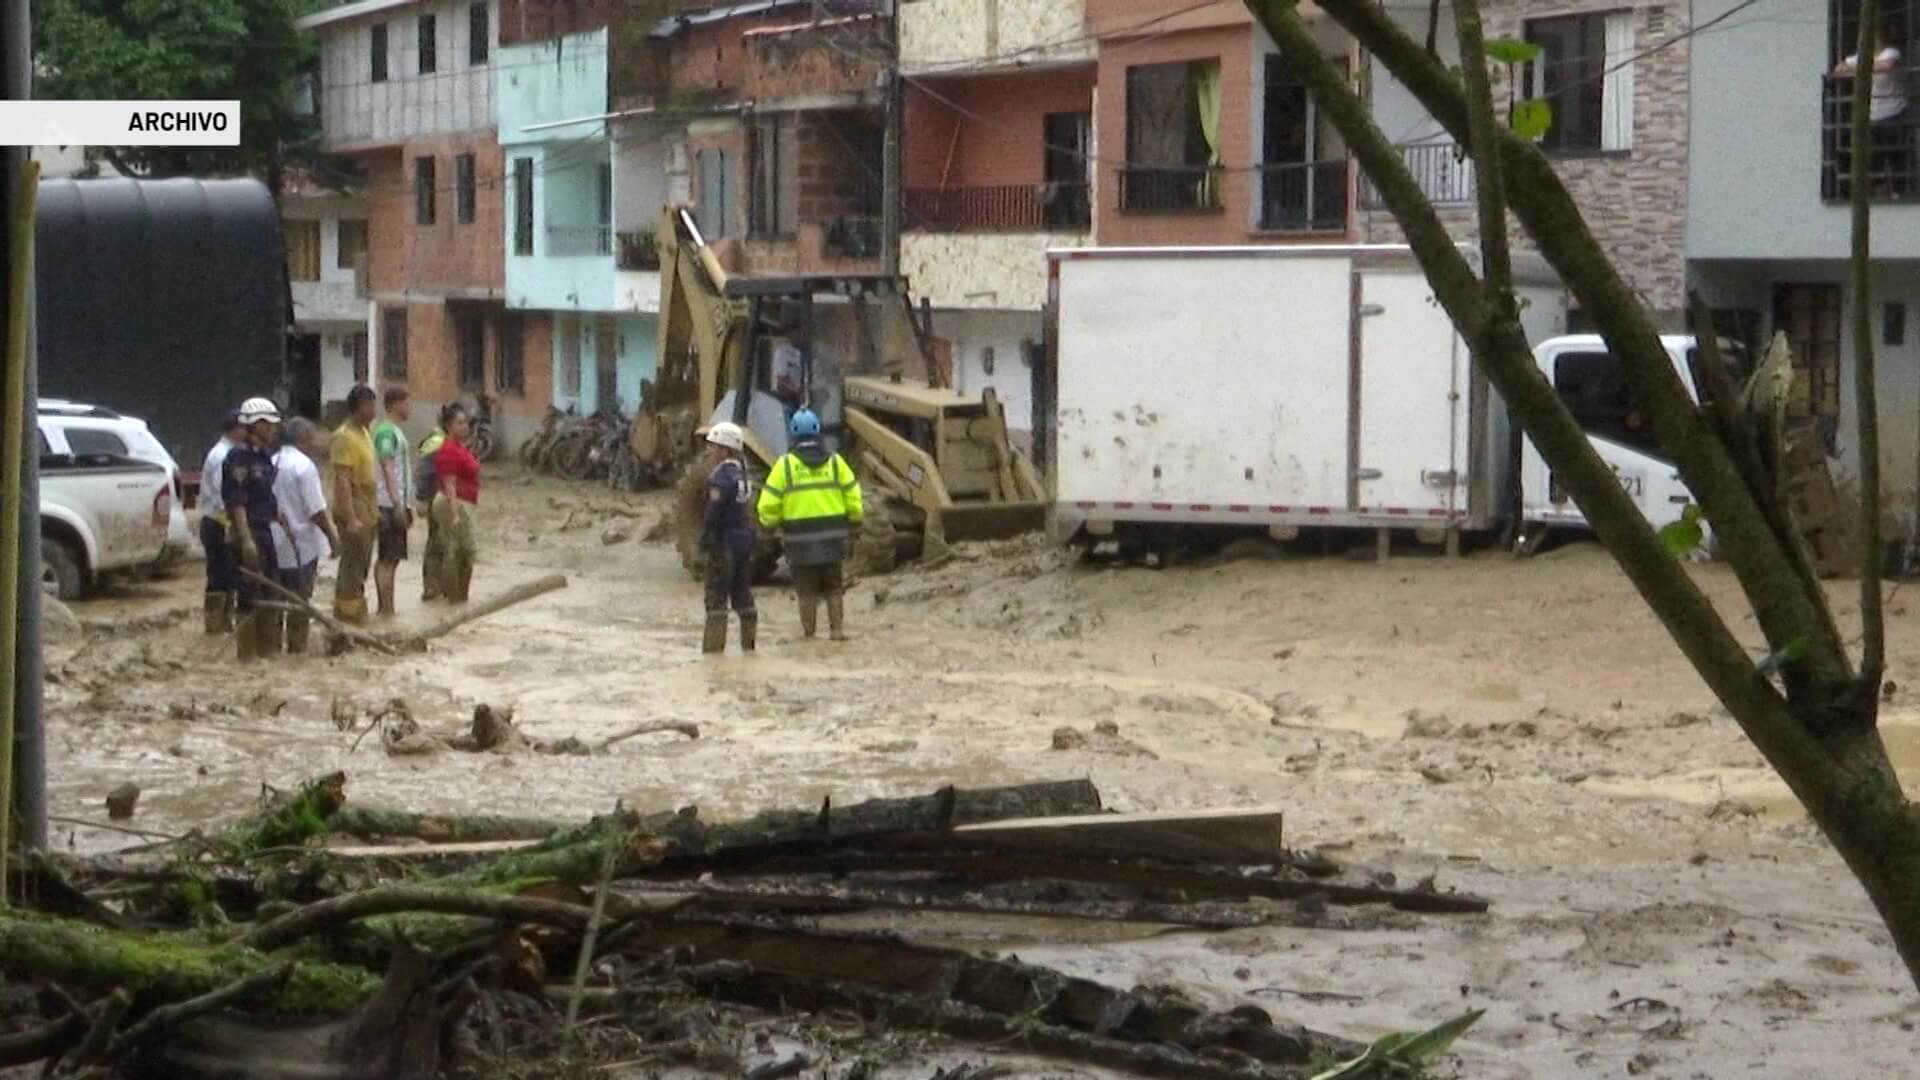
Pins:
x,y
1888,108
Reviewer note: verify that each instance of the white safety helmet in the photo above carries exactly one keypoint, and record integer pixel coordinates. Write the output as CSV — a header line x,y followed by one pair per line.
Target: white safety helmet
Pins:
x,y
727,435
254,410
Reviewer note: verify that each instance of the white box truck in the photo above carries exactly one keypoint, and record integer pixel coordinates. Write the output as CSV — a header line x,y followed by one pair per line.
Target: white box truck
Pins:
x,y
1312,386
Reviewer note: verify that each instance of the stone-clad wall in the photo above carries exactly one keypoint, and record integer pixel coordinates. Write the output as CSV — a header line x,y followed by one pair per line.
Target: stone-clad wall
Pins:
x,y
1635,202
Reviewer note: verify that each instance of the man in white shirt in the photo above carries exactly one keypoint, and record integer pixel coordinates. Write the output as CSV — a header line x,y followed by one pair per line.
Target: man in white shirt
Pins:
x,y
304,533
1887,107
789,376
223,577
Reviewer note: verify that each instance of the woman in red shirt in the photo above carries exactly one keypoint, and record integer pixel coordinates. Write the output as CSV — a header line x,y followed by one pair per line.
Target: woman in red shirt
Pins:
x,y
458,473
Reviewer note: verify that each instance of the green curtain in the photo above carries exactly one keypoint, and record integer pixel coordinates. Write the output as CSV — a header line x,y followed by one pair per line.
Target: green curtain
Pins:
x,y
1206,99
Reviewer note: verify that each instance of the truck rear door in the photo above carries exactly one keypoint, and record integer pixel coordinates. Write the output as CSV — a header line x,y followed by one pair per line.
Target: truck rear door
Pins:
x,y
1411,446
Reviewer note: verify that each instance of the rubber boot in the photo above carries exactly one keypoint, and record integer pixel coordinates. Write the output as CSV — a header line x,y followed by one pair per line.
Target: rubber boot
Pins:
x,y
217,612
246,636
269,631
836,617
462,578
715,640
809,614
749,630
430,574
299,628
383,588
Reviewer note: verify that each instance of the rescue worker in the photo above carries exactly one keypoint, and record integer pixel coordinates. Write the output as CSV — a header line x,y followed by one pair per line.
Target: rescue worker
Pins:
x,y
813,497
221,578
726,538
353,498
425,486
246,488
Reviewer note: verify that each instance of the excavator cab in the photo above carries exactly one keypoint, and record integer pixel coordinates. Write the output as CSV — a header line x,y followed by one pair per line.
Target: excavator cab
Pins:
x,y
936,465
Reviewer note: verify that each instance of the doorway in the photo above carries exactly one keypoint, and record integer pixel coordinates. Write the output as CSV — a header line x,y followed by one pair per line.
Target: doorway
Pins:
x,y
303,375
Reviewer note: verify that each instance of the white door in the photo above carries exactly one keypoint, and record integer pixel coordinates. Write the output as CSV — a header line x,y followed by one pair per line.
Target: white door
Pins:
x,y
1412,408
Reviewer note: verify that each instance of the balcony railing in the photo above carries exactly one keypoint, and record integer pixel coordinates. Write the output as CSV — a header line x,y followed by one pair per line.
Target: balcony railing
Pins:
x,y
1444,174
1893,168
1006,208
1163,189
638,251
572,240
1310,196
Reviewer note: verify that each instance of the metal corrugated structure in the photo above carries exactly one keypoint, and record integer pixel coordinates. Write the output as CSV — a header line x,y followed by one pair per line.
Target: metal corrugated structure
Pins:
x,y
163,299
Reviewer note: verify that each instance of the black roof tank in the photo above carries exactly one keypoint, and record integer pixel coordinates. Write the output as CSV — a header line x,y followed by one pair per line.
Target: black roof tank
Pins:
x,y
162,299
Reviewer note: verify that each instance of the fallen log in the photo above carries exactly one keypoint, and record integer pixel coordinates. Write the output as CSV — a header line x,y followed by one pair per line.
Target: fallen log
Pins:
x,y
295,602
381,823
417,642
292,824
691,731
162,967
397,899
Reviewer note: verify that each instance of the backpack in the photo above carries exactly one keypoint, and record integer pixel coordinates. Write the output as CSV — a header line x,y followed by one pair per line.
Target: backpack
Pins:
x,y
426,483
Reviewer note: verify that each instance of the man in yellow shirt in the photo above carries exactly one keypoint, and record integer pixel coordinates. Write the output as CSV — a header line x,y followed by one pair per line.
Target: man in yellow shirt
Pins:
x,y
355,478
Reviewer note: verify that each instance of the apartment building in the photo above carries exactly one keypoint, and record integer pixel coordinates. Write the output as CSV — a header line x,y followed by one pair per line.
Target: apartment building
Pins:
x,y
1768,225
326,241
407,88
582,285
997,152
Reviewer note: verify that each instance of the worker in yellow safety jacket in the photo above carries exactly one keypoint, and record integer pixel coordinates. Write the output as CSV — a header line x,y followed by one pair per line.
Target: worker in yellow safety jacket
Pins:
x,y
813,498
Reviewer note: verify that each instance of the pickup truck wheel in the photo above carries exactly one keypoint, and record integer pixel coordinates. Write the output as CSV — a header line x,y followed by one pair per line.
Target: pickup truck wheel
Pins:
x,y
60,573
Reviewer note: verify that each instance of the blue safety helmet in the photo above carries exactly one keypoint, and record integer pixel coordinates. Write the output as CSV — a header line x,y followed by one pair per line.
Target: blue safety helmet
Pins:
x,y
803,424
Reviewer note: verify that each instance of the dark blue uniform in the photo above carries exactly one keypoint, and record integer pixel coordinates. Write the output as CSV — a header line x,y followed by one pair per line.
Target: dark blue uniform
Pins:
x,y
246,483
726,536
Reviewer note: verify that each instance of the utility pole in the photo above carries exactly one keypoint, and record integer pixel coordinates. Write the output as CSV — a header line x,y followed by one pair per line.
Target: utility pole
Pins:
x,y
27,802
890,194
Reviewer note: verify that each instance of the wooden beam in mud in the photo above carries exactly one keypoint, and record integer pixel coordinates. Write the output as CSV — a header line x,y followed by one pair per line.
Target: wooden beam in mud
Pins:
x,y
1250,836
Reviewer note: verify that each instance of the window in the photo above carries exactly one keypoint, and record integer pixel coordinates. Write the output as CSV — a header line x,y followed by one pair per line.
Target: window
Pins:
x,y
393,344
429,48
303,250
377,54
479,34
1303,173
84,441
1594,387
1068,145
352,244
716,192
1584,73
463,189
569,330
1173,138
604,239
510,374
523,206
771,150
423,190
470,332
357,352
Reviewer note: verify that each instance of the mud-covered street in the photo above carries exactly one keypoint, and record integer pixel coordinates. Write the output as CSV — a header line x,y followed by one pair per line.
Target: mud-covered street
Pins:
x,y
1522,730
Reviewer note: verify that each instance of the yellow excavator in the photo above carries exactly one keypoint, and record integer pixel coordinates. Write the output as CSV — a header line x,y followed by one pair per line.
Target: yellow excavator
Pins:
x,y
936,466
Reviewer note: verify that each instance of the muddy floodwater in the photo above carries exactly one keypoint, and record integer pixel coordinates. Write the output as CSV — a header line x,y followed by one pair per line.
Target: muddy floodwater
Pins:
x,y
1523,730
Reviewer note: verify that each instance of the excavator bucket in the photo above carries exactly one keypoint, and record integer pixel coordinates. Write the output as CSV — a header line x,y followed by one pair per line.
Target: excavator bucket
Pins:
x,y
992,521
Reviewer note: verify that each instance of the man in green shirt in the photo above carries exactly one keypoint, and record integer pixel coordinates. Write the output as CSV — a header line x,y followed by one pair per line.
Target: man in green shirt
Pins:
x,y
392,455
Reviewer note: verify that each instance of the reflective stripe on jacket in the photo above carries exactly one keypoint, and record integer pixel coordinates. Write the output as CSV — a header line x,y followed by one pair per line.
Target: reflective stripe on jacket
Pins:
x,y
813,505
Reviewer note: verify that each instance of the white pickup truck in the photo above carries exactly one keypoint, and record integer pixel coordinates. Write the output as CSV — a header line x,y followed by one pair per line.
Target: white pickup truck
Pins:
x,y
99,513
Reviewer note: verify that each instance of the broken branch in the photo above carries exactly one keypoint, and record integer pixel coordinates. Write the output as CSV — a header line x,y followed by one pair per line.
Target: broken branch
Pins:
x,y
396,899
691,731
167,1017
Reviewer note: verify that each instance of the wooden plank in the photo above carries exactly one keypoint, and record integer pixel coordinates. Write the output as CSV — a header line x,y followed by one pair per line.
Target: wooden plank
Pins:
x,y
1249,835
429,851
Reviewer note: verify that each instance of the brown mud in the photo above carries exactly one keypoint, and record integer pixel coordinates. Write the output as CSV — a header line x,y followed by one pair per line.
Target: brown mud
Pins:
x,y
1524,730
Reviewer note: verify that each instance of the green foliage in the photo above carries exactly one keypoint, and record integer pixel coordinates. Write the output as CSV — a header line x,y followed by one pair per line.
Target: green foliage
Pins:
x,y
1404,1050
1512,51
1790,652
1532,118
244,50
1682,537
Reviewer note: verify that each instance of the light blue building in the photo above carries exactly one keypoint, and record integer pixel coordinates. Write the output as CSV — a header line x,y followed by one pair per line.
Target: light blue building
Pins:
x,y
566,255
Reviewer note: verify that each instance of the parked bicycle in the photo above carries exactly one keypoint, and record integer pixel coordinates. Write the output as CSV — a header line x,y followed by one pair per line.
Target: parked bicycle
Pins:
x,y
481,439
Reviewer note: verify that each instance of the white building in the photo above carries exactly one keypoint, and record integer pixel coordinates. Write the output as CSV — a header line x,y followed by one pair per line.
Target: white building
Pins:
x,y
326,241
